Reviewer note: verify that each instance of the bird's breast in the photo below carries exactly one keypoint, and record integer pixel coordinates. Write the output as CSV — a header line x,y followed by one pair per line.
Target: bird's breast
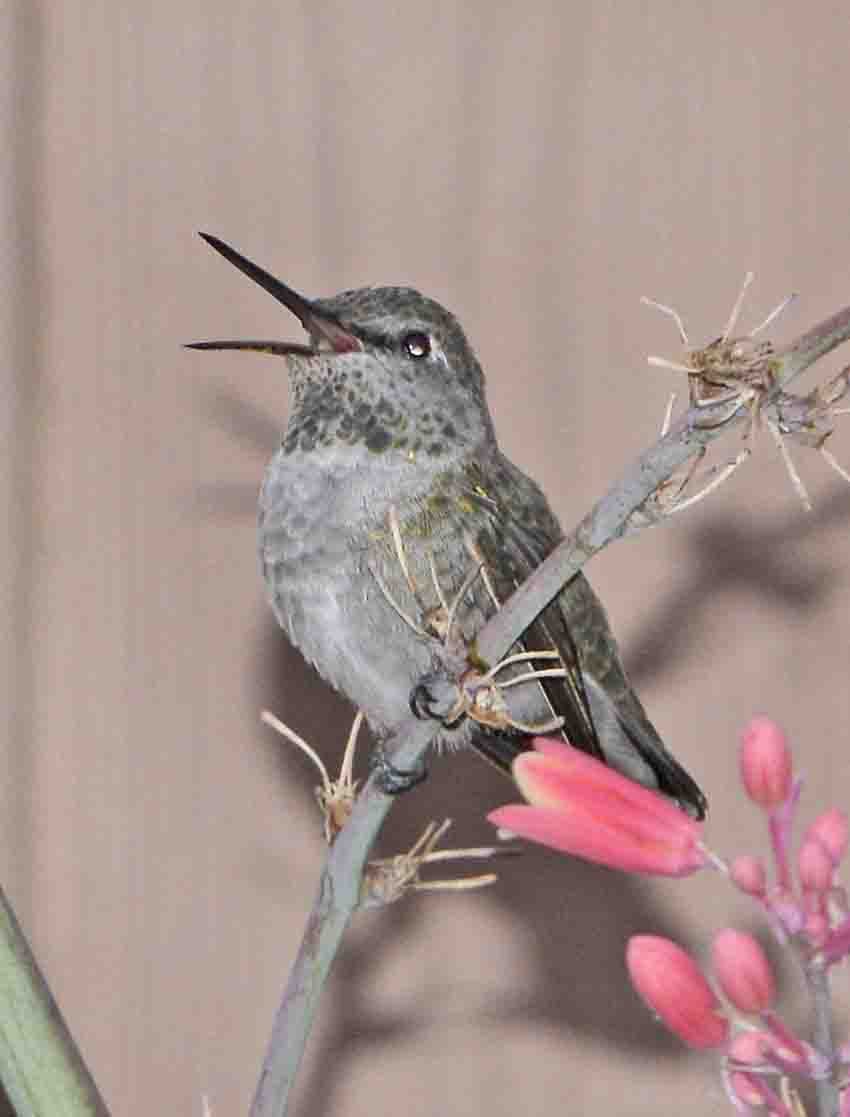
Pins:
x,y
321,519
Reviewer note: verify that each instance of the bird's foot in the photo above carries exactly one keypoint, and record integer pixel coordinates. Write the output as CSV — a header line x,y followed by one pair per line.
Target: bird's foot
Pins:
x,y
392,780
437,697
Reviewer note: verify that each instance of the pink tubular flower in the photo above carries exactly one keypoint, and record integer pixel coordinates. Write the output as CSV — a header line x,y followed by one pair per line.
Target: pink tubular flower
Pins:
x,y
815,867
749,1047
844,1103
765,763
816,926
673,986
583,807
744,973
788,1051
830,830
749,1087
837,945
748,873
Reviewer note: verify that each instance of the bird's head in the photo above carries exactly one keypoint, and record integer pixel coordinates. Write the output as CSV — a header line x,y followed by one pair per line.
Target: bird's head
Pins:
x,y
385,366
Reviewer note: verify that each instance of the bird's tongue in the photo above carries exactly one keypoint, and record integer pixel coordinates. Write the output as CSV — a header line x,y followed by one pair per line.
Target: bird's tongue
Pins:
x,y
322,328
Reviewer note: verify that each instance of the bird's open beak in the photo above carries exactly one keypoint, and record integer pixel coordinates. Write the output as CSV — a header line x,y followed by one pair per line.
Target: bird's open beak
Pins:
x,y
326,333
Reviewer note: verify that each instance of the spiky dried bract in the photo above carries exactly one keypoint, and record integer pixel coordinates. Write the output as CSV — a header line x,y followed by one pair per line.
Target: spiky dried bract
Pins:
x,y
335,798
388,879
810,419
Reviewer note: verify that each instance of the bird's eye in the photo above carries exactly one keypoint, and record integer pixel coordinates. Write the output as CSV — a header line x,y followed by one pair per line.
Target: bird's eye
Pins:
x,y
416,345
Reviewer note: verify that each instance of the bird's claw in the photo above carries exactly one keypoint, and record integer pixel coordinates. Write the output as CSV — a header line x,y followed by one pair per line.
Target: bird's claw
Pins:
x,y
436,697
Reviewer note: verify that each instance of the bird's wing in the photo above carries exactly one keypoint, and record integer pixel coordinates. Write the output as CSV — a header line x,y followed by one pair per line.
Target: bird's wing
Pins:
x,y
514,531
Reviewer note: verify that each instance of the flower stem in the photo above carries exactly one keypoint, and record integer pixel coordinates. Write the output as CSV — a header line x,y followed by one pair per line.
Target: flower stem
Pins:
x,y
817,977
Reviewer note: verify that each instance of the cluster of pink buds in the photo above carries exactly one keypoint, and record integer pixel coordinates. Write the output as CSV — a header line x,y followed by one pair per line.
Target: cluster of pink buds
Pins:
x,y
576,804
807,906
761,1053
806,909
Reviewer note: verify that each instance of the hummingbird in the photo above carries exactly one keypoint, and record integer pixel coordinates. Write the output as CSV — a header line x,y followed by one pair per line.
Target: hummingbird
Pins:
x,y
390,520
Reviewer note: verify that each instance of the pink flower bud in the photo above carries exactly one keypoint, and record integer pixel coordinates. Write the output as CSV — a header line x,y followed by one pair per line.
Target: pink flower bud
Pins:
x,y
815,867
789,1051
817,929
787,910
749,1047
838,901
765,763
837,945
830,829
673,987
748,873
742,968
844,1103
583,807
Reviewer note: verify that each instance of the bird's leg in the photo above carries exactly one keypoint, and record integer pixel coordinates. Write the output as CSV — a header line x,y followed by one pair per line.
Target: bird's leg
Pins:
x,y
393,780
438,695
336,797
386,879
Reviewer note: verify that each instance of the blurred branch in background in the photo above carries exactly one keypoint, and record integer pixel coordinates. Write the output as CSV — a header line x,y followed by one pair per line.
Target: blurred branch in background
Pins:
x,y
42,1070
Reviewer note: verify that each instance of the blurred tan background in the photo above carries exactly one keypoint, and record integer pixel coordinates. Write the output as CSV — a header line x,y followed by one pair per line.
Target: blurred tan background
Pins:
x,y
537,167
